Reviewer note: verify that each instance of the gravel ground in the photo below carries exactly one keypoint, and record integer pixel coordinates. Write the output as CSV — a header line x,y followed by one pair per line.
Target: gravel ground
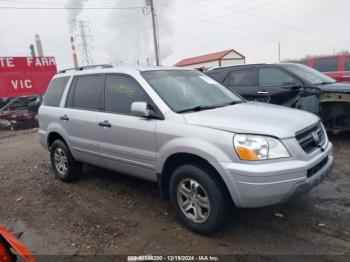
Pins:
x,y
108,213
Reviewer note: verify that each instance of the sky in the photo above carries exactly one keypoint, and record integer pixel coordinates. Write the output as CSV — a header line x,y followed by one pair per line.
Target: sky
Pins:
x,y
121,30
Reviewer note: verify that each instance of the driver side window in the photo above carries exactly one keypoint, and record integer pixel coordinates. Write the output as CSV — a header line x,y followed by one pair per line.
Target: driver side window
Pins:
x,y
273,77
120,92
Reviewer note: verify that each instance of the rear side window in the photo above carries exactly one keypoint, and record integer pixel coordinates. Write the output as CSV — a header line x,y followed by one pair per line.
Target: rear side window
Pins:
x,y
55,91
347,64
120,92
273,77
327,65
87,92
240,78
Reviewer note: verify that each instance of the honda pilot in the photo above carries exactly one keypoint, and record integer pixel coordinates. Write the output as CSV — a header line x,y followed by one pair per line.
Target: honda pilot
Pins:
x,y
206,147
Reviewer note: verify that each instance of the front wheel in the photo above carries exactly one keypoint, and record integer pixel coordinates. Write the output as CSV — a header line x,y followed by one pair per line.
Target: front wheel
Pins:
x,y
198,199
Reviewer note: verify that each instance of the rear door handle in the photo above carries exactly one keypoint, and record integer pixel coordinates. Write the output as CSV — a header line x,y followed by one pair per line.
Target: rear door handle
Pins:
x,y
64,118
263,93
105,124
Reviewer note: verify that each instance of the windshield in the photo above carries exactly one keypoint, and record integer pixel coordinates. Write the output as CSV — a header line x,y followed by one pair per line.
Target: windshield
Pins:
x,y
183,90
309,74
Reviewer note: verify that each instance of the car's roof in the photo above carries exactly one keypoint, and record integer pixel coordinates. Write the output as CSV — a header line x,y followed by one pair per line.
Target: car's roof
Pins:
x,y
234,66
116,69
250,65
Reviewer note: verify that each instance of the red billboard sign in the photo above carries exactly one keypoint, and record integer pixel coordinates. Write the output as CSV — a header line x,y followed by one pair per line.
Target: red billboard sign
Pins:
x,y
25,76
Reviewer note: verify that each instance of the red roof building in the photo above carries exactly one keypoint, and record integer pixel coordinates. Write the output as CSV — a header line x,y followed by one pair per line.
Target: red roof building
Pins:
x,y
203,62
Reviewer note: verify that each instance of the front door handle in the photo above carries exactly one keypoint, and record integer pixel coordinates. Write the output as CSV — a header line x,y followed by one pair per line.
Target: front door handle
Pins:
x,y
263,93
105,124
64,118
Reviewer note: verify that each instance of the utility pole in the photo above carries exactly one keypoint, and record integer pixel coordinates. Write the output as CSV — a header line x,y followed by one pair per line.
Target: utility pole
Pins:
x,y
279,52
85,39
155,36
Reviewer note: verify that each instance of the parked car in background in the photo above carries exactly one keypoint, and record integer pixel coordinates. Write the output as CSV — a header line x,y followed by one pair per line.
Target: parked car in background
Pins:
x,y
292,85
206,147
335,66
19,113
18,119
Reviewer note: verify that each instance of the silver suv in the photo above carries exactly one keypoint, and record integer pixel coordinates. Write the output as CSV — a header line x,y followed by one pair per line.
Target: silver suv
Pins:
x,y
206,147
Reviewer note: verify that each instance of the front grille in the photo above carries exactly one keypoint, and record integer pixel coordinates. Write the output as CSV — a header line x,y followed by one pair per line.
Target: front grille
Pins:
x,y
311,138
316,168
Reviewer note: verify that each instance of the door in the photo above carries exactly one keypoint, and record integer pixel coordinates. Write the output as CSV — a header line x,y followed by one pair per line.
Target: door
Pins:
x,y
278,85
126,142
243,82
80,117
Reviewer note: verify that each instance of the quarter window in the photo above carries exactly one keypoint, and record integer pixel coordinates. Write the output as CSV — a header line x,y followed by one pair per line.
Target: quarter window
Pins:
x,y
273,77
239,78
55,91
121,92
87,92
327,65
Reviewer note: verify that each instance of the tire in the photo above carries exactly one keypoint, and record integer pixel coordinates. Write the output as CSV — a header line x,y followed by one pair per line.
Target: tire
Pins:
x,y
208,210
62,161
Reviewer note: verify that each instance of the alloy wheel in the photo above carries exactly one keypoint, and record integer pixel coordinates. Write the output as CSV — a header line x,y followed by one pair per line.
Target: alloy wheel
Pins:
x,y
193,200
61,162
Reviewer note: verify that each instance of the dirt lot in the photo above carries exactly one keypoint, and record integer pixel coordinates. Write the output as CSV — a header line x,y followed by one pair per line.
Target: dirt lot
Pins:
x,y
108,213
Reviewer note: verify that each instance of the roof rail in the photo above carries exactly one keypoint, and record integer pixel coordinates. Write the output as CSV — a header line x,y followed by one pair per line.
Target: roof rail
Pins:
x,y
242,65
81,68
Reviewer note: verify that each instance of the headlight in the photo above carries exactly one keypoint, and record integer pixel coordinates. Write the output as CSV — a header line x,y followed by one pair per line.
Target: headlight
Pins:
x,y
253,147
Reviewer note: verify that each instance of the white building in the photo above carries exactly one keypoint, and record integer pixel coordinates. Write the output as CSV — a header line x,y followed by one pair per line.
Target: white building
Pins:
x,y
204,62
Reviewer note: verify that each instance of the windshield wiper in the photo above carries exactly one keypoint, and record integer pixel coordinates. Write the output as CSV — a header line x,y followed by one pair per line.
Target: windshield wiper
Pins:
x,y
200,108
231,103
195,109
325,83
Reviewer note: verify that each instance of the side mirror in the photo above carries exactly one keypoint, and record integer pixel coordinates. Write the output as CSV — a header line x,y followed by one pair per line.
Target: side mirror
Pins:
x,y
140,109
291,85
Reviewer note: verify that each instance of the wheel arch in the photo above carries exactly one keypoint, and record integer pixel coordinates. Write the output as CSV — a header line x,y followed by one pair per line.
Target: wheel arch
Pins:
x,y
57,131
181,158
54,135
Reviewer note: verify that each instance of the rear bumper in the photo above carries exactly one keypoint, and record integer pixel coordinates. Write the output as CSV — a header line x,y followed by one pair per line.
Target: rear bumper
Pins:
x,y
42,138
273,183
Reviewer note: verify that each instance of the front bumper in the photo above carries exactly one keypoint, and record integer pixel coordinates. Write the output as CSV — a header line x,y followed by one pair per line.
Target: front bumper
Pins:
x,y
273,183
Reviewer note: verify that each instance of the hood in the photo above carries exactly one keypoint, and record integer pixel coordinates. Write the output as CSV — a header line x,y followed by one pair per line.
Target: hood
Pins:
x,y
338,87
254,118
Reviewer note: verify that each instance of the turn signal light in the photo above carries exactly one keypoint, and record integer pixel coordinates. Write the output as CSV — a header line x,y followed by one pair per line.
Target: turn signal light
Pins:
x,y
246,154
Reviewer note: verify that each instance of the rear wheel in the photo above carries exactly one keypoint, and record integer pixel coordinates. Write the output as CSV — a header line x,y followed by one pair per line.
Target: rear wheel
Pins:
x,y
198,199
62,161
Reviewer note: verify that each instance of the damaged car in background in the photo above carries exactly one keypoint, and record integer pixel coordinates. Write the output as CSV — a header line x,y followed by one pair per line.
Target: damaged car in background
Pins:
x,y
19,113
292,85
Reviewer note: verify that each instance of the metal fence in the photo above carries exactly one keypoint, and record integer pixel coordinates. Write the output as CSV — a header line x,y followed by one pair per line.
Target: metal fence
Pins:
x,y
19,113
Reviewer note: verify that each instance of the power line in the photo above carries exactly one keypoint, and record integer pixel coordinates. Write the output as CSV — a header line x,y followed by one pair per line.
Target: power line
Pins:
x,y
173,14
267,20
245,30
70,8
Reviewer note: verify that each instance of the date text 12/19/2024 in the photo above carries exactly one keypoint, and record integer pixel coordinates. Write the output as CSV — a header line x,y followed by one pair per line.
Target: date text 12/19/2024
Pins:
x,y
172,258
